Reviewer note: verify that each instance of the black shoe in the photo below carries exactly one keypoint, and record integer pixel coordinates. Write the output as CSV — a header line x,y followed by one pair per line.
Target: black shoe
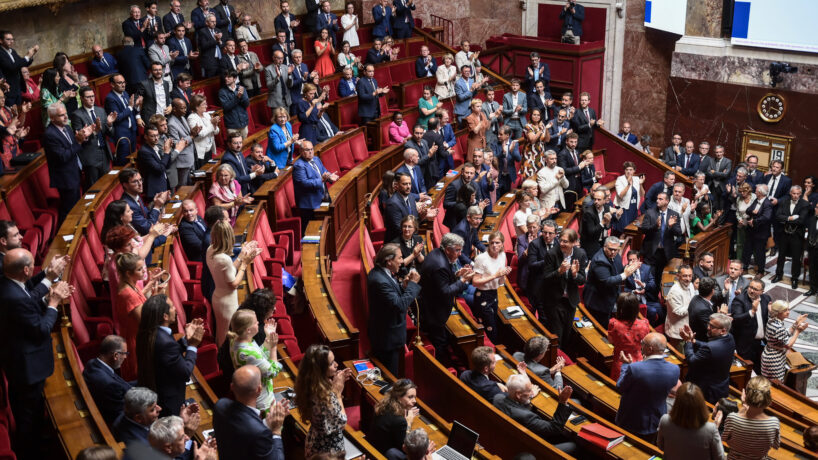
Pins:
x,y
776,279
773,252
795,284
811,293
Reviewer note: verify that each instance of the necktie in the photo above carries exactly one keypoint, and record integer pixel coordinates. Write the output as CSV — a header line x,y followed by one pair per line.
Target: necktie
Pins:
x,y
772,186
139,204
200,225
315,167
67,136
141,38
687,158
718,162
176,18
326,126
218,51
182,45
240,162
326,16
232,60
732,290
587,115
409,208
184,94
250,29
414,181
574,156
229,19
662,228
94,121
372,82
104,62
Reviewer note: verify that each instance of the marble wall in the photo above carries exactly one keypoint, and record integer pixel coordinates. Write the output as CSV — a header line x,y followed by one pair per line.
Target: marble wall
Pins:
x,y
742,71
645,72
704,18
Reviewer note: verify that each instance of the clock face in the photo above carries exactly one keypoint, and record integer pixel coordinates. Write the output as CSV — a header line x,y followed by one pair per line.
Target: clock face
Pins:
x,y
771,108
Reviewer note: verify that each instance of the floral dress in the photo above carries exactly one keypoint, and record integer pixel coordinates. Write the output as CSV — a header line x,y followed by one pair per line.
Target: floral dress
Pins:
x,y
243,353
326,433
533,153
774,356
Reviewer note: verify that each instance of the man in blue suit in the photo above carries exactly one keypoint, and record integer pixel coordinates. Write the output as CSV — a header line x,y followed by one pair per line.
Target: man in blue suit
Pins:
x,y
153,161
103,63
537,71
382,15
62,146
626,134
758,230
124,105
132,187
572,16
644,386
465,88
133,64
410,168
709,362
209,39
298,77
402,22
507,152
175,17
286,22
605,276
369,107
643,284
107,388
688,162
750,312
134,28
665,186
199,16
389,300
192,230
233,157
329,21
28,315
309,183
425,65
234,102
181,44
347,85
377,54
401,204
241,431
469,230
778,188
754,176
661,227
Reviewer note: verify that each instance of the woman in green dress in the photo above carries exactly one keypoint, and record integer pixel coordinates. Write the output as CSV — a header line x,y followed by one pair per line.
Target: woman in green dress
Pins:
x,y
428,106
244,350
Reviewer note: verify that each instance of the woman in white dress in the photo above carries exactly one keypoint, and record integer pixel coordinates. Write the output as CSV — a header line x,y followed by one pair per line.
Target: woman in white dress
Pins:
x,y
227,274
205,127
349,24
628,196
446,76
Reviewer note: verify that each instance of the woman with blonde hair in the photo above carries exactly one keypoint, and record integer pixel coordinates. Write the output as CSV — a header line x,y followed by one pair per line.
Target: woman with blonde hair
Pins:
x,y
779,339
227,274
687,431
244,350
393,416
750,432
446,75
225,191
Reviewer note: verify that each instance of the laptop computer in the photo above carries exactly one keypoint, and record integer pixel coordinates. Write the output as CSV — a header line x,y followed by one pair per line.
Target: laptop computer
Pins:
x,y
460,446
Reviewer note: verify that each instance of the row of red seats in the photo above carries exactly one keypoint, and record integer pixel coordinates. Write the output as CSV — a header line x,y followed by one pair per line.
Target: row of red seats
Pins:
x,y
32,204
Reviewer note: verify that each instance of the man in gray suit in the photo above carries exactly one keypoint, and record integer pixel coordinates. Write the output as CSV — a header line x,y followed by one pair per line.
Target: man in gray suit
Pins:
x,y
515,106
179,130
251,76
717,171
278,82
95,155
494,114
153,101
731,284
672,151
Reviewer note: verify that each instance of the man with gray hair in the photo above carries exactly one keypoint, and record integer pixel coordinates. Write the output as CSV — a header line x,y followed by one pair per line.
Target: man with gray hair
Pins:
x,y
278,80
517,405
717,171
416,446
758,230
442,279
210,43
170,436
469,230
604,280
552,181
140,411
62,146
709,362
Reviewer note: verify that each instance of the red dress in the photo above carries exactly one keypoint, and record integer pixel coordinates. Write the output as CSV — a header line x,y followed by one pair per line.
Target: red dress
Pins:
x,y
324,65
127,299
628,338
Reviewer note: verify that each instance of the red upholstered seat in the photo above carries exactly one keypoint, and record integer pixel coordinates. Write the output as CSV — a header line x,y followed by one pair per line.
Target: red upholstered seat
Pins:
x,y
358,147
31,240
343,152
330,161
376,221
95,245
347,113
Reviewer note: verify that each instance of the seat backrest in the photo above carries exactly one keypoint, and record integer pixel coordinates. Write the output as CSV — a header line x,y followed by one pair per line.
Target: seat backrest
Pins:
x,y
358,147
344,154
87,258
347,112
288,187
382,76
375,216
599,163
78,329
20,209
369,250
282,205
383,101
95,244
330,161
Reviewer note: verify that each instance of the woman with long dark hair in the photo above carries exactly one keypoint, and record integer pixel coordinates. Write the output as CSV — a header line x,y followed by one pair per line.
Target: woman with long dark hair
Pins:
x,y
318,389
393,416
50,93
69,80
626,331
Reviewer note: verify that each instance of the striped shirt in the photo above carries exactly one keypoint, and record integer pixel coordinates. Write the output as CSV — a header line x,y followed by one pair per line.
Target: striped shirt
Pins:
x,y
259,356
750,439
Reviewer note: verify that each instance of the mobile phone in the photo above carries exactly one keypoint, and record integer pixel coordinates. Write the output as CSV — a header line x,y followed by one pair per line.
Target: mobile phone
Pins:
x,y
190,401
577,420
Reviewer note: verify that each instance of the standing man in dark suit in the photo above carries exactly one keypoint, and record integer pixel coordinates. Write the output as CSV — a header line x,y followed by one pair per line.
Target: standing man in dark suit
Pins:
x,y
10,65
299,75
469,230
701,307
665,186
382,16
62,146
538,251
442,280
507,152
569,160
410,167
242,433
467,175
398,206
537,71
792,218
106,386
155,95
709,362
732,283
717,171
425,65
309,182
369,107
812,251
233,157
210,42
540,99
604,280
426,153
672,151
134,27
778,187
152,23
192,230
688,162
389,300
596,223
280,44
750,313
311,17
103,63
287,22
28,315
584,121
754,175
572,16
172,362
268,169
133,64
182,44
175,18
199,16
564,272
153,161
758,230
227,18
645,386
329,21
95,155
661,228
402,22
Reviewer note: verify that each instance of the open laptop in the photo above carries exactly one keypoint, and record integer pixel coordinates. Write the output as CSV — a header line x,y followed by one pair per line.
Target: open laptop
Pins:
x,y
460,446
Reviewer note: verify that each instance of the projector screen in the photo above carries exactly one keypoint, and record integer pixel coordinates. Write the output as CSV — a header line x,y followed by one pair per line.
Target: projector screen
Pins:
x,y
667,15
787,25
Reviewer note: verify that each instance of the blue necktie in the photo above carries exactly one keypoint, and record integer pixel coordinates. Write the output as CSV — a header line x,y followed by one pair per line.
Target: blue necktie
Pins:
x,y
662,228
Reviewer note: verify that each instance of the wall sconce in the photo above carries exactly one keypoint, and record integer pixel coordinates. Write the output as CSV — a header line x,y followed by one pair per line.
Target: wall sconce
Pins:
x,y
523,5
620,9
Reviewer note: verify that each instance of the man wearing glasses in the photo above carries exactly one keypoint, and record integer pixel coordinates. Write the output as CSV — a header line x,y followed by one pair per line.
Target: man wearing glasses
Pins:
x,y
709,362
107,388
143,216
671,152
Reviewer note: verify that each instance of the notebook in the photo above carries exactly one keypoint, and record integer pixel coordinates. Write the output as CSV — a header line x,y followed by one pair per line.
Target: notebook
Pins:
x,y
460,446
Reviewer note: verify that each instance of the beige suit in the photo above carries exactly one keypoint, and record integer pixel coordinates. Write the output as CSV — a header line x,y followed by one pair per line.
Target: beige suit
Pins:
x,y
678,300
551,188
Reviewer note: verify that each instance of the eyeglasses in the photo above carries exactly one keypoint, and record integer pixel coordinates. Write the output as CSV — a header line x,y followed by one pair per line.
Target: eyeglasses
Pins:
x,y
135,181
126,353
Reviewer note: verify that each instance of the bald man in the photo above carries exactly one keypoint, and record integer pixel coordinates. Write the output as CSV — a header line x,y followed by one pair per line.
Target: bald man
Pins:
x,y
28,315
192,231
644,386
242,433
103,63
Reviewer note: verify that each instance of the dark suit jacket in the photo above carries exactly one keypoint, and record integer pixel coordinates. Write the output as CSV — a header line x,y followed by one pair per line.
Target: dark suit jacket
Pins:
x,y
269,172
507,162
192,236
174,366
154,169
207,51
592,228
555,283
481,384
782,186
802,211
130,29
107,388
148,93
420,67
368,104
133,64
383,21
755,178
403,15
125,124
439,288
760,229
198,16
745,326
418,185
181,63
169,23
550,430
692,164
331,25
284,49
471,238
537,252
297,81
544,75
143,217
10,68
573,21
644,386
308,184
321,133
225,64
572,171
104,68
698,314
388,304
127,431
450,198
652,231
236,161
92,154
62,156
242,434
344,89
709,366
177,93
718,178
394,211
375,57
646,276
652,193
226,20
630,138
583,128
603,283
25,331
234,107
280,23
308,20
